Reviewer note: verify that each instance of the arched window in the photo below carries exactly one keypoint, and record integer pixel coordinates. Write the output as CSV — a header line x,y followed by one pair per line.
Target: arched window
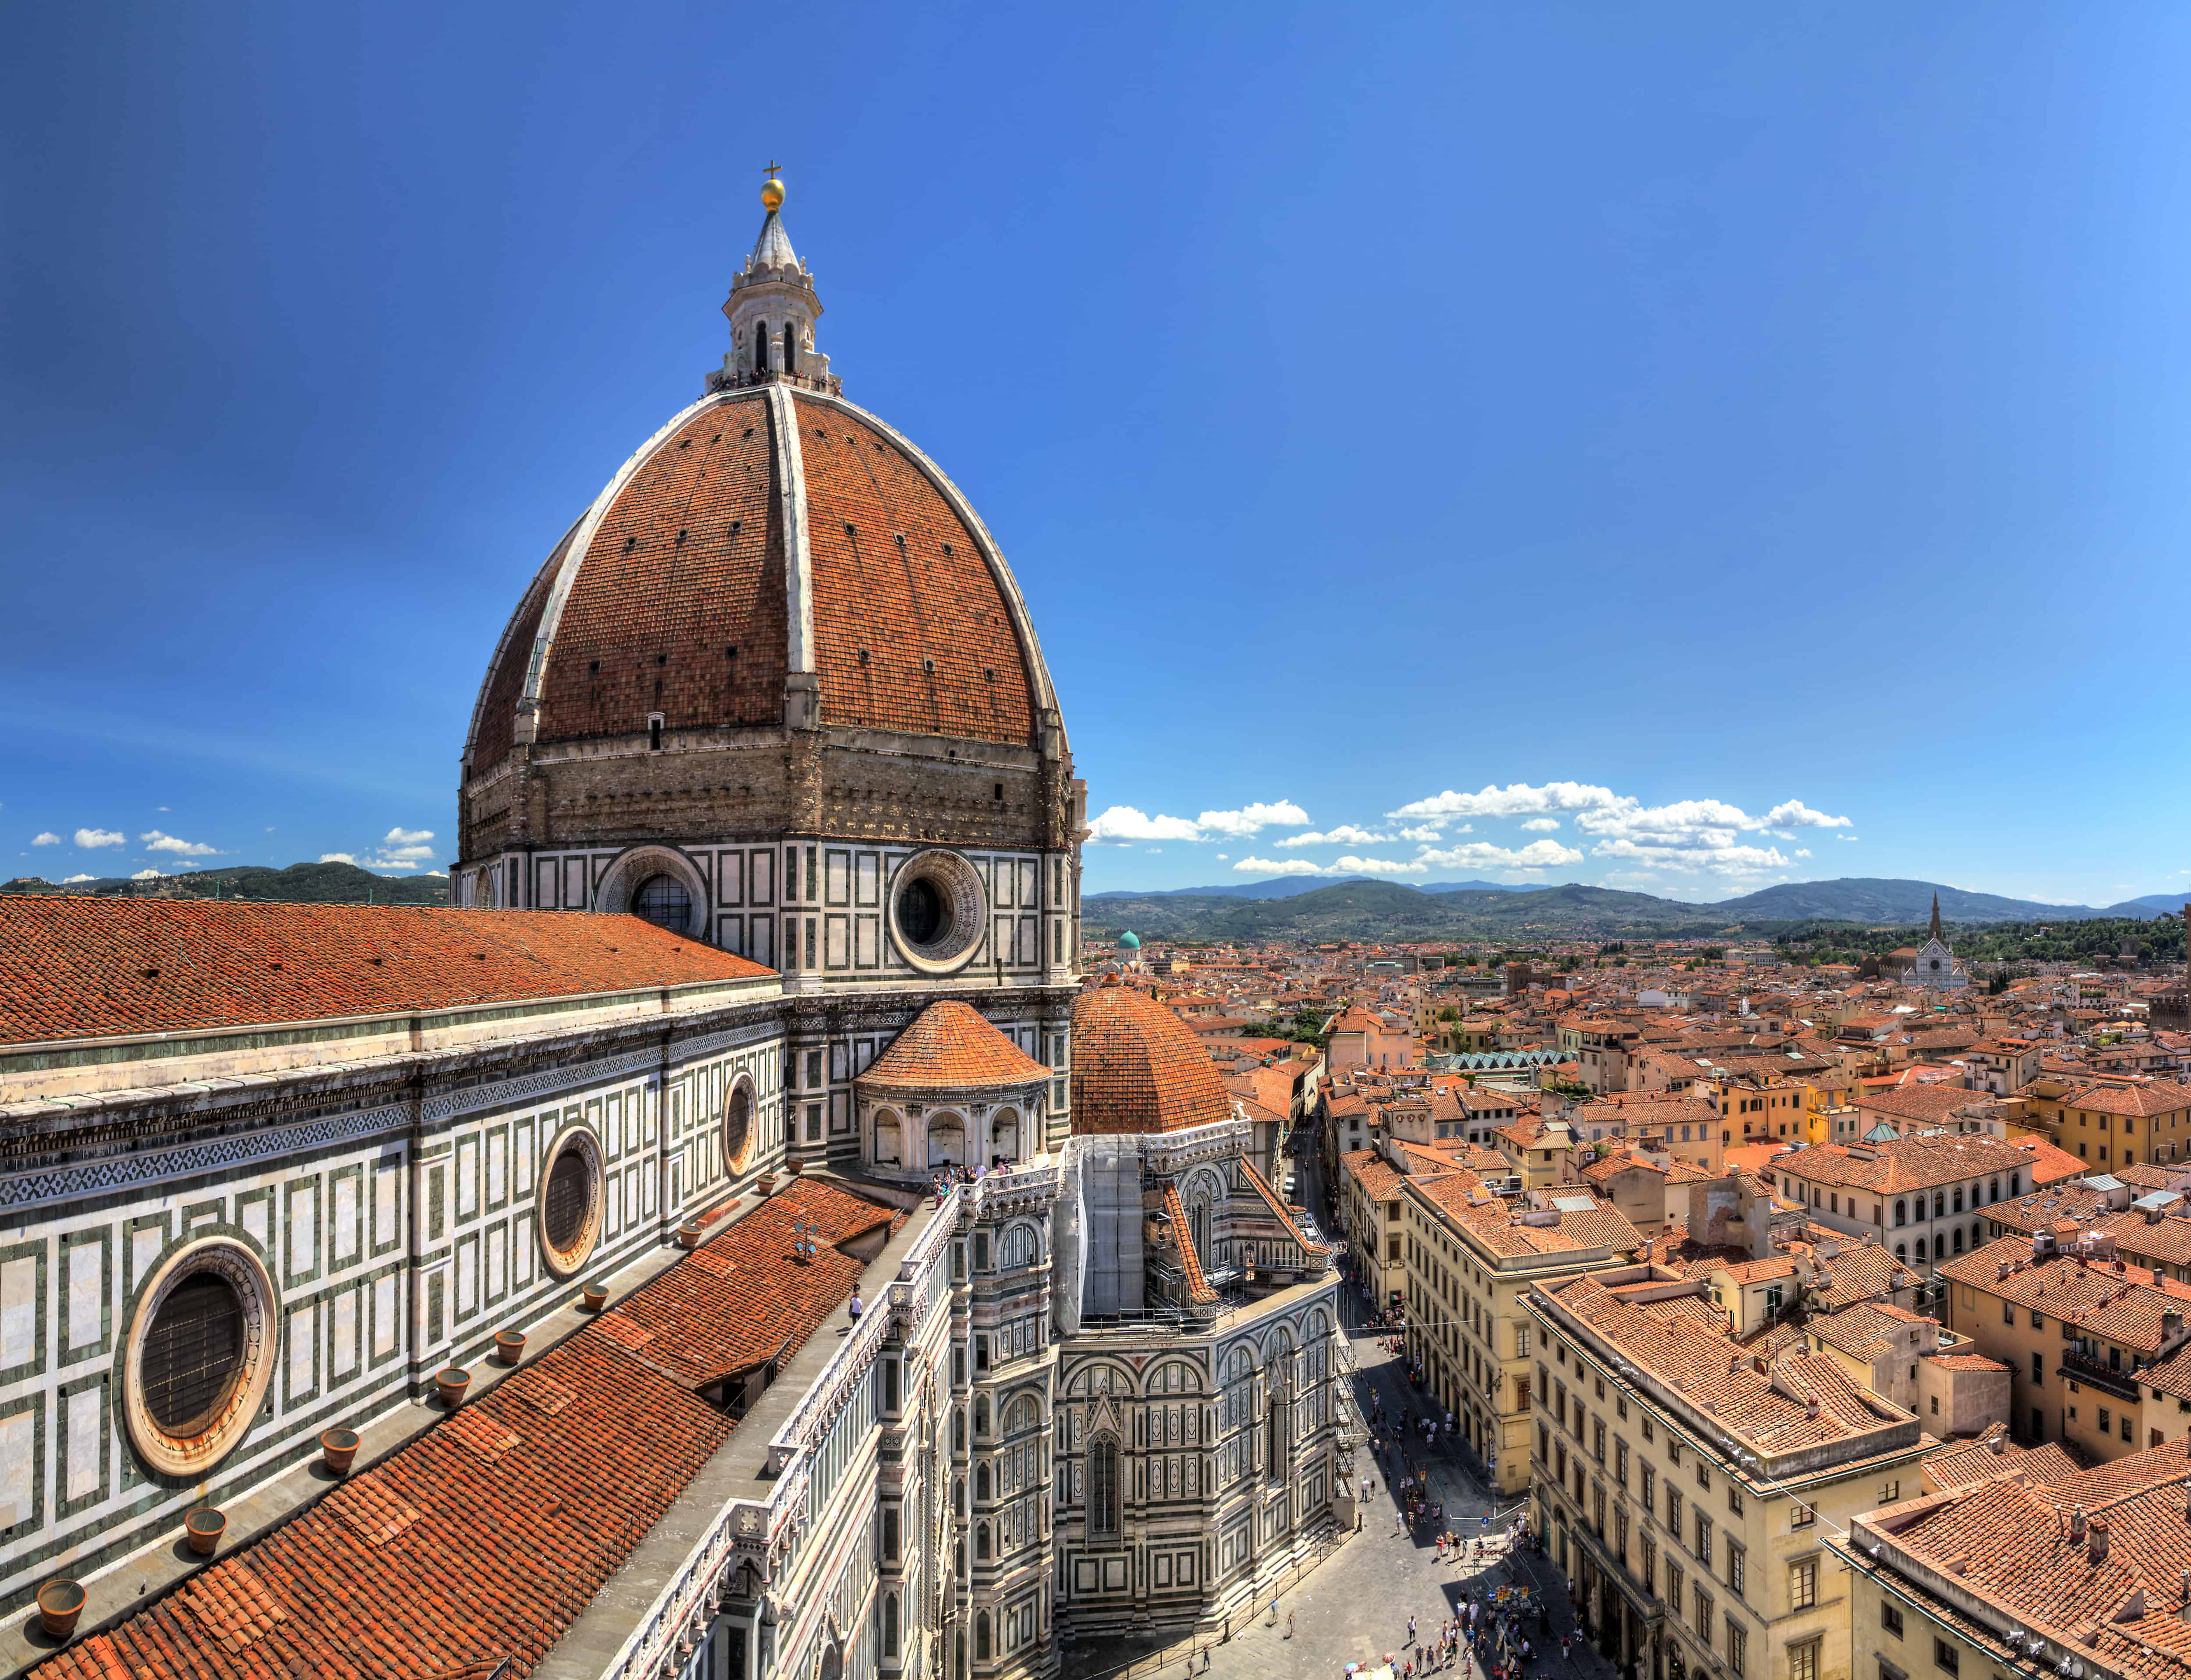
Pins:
x,y
889,1625
1959,1199
1902,1252
664,900
2016,1184
1939,1205
1994,1191
1902,1213
981,1637
1921,1250
760,346
980,1414
981,1539
957,1431
958,1498
1959,1239
982,1482
791,347
1103,1488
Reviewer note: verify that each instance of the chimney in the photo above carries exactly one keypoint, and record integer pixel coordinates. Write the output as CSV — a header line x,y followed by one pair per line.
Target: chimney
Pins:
x,y
2000,1445
2097,1548
2077,1524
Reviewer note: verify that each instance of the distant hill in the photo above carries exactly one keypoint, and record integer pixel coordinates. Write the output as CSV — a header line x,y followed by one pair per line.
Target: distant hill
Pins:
x,y
299,884
1391,910
1386,910
1893,903
2153,904
1292,886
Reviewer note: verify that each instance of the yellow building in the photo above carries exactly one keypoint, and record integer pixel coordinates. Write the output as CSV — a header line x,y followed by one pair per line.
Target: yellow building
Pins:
x,y
1471,1259
1688,1493
2099,1354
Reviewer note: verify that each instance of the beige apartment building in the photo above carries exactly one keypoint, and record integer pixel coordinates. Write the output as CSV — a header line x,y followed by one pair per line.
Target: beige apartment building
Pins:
x,y
1471,1259
1688,1487
2095,1348
1369,1214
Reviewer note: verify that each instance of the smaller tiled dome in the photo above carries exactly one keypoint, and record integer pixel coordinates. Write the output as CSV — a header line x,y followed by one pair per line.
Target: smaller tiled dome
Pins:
x,y
951,1047
1136,1068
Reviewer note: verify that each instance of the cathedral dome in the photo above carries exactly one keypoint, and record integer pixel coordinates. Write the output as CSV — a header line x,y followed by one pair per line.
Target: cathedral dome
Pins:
x,y
768,544
1136,1068
776,568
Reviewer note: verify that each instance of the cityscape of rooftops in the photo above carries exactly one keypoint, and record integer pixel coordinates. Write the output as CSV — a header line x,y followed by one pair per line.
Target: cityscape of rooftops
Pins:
x,y
982,844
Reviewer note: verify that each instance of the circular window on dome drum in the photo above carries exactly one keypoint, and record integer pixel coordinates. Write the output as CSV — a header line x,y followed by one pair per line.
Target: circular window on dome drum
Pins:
x,y
664,900
199,1357
937,911
570,1203
739,1130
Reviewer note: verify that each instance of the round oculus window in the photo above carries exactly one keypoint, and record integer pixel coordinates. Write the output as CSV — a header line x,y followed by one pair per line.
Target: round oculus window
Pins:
x,y
938,910
199,1357
570,1203
921,913
738,1127
664,900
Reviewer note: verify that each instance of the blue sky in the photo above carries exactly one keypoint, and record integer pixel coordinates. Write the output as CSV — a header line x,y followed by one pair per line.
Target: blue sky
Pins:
x,y
1680,447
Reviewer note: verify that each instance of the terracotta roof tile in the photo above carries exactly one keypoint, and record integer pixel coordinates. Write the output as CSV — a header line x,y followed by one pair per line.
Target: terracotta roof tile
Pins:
x,y
74,967
1137,1069
949,1046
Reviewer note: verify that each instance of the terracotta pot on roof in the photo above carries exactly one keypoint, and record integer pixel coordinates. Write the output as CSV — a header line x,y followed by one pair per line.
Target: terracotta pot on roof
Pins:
x,y
60,1602
509,1346
338,1448
595,1297
689,1233
453,1381
765,1183
205,1527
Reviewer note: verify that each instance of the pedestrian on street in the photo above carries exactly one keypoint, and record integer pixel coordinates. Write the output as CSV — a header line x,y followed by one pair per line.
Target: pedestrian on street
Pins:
x,y
1411,1630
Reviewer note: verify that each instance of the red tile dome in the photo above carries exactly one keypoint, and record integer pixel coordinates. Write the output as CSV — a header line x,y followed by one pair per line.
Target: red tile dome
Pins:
x,y
1136,1068
767,543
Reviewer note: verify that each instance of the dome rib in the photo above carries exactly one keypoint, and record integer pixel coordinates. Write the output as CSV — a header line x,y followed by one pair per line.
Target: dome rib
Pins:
x,y
1044,695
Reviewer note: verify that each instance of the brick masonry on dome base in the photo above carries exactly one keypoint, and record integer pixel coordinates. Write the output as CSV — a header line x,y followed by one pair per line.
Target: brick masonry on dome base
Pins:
x,y
1137,1069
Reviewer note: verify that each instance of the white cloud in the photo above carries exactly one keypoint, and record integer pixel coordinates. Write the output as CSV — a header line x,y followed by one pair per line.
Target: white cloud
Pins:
x,y
1542,854
1519,800
1249,819
146,875
1795,814
1713,855
1223,856
1345,834
412,854
337,857
156,841
1373,866
1427,832
1803,852
46,840
1266,866
1541,825
72,880
1850,839
1123,823
407,836
388,864
92,839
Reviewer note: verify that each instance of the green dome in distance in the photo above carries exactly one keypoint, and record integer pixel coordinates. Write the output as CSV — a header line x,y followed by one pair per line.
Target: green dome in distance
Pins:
x,y
1129,941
